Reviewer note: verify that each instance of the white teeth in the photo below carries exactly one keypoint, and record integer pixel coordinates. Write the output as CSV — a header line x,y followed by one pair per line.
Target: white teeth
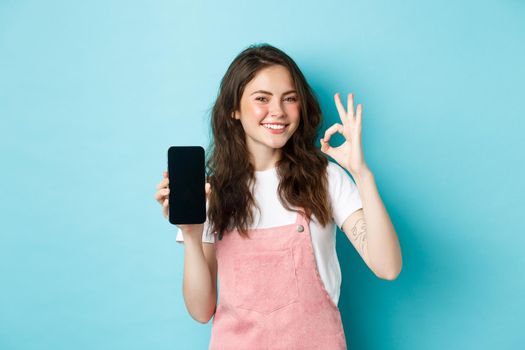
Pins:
x,y
273,126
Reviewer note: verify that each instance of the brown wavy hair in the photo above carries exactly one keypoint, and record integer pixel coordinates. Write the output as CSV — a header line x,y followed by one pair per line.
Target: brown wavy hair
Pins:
x,y
301,169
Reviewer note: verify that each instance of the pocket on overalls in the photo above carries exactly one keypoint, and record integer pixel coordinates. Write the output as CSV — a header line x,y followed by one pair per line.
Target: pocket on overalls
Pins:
x,y
265,281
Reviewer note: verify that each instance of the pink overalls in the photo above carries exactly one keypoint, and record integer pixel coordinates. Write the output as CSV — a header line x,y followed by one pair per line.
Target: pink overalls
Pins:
x,y
271,294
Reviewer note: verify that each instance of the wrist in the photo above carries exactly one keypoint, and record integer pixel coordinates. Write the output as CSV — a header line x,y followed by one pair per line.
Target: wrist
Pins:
x,y
192,242
363,175
193,234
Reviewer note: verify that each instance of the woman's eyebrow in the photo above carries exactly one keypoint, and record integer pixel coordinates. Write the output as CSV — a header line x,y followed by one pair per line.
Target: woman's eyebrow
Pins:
x,y
269,93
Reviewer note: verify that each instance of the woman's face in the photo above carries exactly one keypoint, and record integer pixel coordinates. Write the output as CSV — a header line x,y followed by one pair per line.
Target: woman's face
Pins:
x,y
270,109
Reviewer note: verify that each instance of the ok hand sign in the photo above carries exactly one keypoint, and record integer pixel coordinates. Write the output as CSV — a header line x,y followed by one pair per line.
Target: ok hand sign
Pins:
x,y
350,154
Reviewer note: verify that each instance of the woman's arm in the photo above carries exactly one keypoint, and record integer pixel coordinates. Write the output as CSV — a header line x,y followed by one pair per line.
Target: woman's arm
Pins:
x,y
200,265
200,277
371,231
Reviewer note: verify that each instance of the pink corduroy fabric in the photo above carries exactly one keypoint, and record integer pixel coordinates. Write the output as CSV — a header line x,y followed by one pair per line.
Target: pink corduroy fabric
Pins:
x,y
271,295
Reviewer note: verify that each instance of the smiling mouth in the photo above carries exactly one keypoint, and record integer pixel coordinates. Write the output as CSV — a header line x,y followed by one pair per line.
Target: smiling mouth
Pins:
x,y
274,126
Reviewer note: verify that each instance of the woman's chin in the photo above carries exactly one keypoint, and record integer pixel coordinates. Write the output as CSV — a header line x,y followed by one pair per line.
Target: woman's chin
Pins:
x,y
277,143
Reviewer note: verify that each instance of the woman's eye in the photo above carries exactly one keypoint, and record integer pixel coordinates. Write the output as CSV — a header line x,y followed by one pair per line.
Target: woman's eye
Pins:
x,y
288,99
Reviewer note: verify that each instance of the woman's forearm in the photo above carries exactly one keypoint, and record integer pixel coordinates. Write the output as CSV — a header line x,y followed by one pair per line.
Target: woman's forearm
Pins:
x,y
200,293
383,246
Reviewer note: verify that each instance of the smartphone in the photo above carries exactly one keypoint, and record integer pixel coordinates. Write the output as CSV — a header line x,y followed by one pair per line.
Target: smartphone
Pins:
x,y
186,173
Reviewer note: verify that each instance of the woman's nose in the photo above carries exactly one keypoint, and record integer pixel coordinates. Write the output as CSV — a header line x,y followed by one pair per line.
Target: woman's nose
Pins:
x,y
276,109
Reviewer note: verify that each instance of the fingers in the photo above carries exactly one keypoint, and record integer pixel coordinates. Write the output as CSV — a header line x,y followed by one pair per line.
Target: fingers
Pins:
x,y
340,108
325,145
359,115
332,130
162,194
326,148
348,114
163,183
165,208
350,111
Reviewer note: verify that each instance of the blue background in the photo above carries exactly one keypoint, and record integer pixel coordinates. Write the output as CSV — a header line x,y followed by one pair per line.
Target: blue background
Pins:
x,y
93,93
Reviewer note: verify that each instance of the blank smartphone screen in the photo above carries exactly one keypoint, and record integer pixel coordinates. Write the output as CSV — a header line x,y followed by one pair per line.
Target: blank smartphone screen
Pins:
x,y
186,173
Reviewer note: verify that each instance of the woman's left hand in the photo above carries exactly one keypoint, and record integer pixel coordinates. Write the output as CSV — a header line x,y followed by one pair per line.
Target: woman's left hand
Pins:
x,y
350,154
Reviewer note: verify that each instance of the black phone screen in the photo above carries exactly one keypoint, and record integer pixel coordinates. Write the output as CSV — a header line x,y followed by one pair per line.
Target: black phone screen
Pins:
x,y
186,173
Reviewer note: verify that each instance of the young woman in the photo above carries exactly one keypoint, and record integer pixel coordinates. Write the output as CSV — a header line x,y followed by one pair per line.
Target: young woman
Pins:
x,y
273,203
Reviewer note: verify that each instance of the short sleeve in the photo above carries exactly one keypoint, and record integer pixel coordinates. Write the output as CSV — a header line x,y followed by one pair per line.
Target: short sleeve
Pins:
x,y
343,193
206,235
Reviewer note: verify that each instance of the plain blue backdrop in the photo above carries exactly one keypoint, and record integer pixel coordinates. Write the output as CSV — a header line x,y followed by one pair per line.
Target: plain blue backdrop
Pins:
x,y
93,93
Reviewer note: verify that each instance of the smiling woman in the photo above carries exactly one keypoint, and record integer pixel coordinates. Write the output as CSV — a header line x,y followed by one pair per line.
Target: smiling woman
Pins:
x,y
273,207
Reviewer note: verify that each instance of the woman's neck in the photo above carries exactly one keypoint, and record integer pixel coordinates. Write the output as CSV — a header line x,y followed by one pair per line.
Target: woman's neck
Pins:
x,y
264,159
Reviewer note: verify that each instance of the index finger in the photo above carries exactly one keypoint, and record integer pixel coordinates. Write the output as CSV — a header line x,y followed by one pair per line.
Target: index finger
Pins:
x,y
163,183
340,108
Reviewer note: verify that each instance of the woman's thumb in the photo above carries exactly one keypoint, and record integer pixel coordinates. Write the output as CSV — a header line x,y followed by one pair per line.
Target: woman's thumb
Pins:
x,y
207,189
326,148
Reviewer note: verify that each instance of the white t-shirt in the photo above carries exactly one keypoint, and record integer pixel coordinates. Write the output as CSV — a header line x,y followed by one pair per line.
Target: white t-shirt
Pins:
x,y
345,199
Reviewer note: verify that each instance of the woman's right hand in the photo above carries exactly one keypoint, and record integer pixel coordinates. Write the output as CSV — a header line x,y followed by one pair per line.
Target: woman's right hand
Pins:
x,y
162,197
